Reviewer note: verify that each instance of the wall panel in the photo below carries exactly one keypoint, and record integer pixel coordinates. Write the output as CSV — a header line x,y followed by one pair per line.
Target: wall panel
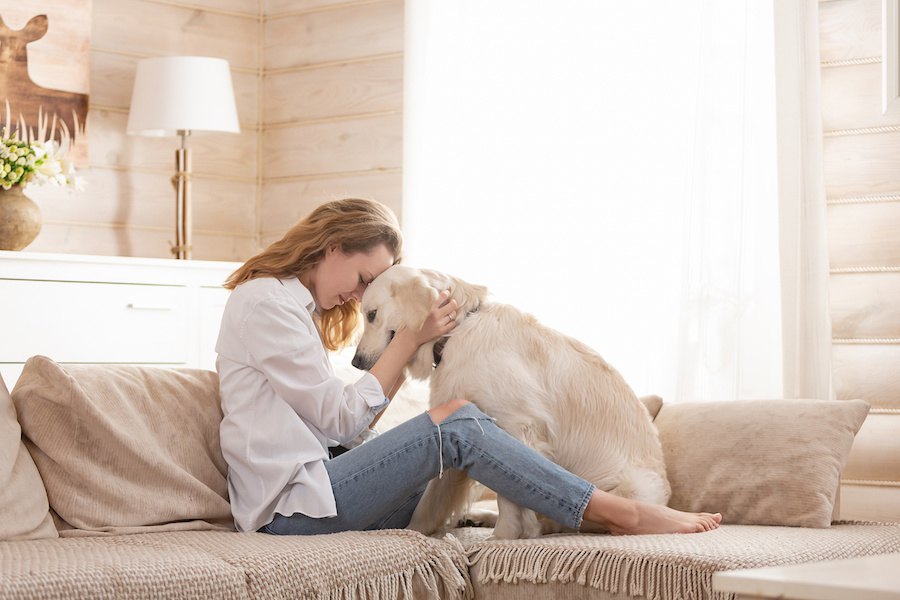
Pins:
x,y
849,29
220,154
245,8
276,7
865,305
862,177
876,450
862,164
146,28
864,234
289,201
76,238
132,198
351,32
332,107
869,503
868,372
366,144
851,98
335,91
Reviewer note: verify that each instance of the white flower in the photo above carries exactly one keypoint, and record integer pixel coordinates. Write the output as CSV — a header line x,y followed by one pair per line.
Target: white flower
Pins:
x,y
36,163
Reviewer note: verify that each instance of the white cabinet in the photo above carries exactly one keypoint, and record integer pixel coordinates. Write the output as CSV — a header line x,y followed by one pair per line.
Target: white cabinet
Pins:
x,y
98,309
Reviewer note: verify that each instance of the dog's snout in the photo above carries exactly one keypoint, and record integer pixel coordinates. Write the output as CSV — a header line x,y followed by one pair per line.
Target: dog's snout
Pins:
x,y
363,362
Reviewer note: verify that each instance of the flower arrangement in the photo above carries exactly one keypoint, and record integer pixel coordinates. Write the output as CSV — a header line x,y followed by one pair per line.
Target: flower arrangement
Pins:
x,y
35,160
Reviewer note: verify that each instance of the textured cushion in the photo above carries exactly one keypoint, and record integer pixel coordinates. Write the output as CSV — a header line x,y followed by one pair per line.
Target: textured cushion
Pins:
x,y
577,566
371,565
125,567
215,564
122,447
24,512
759,462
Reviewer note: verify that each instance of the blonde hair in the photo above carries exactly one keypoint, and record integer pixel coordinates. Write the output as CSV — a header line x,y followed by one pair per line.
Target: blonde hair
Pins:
x,y
355,225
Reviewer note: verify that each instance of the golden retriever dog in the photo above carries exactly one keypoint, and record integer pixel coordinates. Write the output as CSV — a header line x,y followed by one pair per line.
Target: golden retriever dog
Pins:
x,y
546,389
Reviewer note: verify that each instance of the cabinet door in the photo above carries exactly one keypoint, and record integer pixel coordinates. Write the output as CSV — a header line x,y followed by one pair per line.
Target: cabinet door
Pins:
x,y
93,322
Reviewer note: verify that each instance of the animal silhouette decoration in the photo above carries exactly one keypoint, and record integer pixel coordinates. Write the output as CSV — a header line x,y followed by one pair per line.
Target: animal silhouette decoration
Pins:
x,y
34,107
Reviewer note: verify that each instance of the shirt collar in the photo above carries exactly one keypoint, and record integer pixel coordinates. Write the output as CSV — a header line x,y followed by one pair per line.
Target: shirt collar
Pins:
x,y
299,292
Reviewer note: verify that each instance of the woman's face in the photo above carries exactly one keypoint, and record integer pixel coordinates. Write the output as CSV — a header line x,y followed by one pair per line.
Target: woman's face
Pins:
x,y
340,277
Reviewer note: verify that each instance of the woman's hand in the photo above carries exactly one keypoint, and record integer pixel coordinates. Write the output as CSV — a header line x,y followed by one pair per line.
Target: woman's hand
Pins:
x,y
440,321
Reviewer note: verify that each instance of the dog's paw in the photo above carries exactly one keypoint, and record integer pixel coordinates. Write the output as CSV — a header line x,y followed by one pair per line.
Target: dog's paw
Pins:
x,y
517,529
532,529
507,530
470,520
481,514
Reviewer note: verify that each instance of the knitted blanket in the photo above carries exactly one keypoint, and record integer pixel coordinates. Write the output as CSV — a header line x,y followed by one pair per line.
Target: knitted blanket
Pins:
x,y
662,567
213,564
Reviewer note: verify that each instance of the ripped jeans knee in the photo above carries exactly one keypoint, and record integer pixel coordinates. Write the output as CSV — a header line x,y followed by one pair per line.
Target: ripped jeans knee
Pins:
x,y
462,423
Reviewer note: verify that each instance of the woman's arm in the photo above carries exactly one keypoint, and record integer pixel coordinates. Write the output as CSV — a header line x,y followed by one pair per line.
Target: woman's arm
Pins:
x,y
397,385
390,396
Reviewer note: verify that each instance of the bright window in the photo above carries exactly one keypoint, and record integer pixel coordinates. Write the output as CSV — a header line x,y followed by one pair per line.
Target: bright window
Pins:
x,y
609,167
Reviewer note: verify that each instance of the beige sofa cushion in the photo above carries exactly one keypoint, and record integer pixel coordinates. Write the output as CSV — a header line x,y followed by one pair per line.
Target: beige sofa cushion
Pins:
x,y
122,447
24,512
759,462
130,567
594,567
370,565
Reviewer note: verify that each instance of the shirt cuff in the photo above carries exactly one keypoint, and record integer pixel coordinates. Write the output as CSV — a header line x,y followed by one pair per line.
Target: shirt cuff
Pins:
x,y
370,390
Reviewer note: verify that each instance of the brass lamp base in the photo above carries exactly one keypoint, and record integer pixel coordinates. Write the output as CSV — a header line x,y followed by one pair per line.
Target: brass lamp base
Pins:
x,y
182,247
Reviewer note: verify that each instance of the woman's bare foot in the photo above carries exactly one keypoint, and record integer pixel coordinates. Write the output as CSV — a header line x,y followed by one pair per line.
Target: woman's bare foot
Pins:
x,y
628,517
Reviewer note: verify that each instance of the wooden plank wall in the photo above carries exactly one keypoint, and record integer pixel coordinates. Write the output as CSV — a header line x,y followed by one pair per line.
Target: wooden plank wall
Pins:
x,y
128,206
319,88
862,179
332,106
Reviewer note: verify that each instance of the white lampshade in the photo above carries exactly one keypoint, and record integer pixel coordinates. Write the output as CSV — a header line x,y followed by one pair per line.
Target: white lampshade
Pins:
x,y
190,93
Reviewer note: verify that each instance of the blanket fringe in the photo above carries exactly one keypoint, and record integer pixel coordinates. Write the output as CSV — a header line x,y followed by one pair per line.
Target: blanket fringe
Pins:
x,y
445,575
606,571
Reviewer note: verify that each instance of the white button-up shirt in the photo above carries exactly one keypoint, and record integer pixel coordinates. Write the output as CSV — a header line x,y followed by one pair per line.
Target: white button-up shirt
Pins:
x,y
282,404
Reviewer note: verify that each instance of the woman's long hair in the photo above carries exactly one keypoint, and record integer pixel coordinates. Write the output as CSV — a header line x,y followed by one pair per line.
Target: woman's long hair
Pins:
x,y
355,225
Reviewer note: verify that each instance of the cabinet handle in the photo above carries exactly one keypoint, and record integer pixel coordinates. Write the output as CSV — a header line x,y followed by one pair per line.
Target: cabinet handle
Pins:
x,y
133,306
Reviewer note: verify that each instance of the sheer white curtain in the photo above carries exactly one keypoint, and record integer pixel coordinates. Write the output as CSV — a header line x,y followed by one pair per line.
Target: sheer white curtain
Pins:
x,y
610,168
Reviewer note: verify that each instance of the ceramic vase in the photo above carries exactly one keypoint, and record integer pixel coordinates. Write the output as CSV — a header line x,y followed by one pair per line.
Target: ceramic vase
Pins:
x,y
20,219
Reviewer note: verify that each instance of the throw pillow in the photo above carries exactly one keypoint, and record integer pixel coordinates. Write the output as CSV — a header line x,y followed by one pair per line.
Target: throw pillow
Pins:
x,y
122,447
24,511
759,462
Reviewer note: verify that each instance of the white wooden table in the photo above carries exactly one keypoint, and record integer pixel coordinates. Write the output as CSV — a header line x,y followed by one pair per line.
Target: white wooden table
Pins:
x,y
866,578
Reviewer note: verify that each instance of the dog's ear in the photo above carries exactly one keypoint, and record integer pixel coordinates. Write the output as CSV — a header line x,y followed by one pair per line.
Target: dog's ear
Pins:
x,y
414,298
468,296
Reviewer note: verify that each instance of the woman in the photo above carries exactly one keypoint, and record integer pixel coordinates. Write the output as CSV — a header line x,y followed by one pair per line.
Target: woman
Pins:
x,y
285,411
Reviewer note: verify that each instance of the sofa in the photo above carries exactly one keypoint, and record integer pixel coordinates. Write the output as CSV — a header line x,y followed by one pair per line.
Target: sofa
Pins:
x,y
113,486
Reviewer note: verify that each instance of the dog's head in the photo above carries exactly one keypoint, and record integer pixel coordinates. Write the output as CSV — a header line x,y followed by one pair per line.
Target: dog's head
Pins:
x,y
402,297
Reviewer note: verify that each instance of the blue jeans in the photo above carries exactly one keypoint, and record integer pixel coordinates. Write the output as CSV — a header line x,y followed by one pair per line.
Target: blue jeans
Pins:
x,y
377,485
